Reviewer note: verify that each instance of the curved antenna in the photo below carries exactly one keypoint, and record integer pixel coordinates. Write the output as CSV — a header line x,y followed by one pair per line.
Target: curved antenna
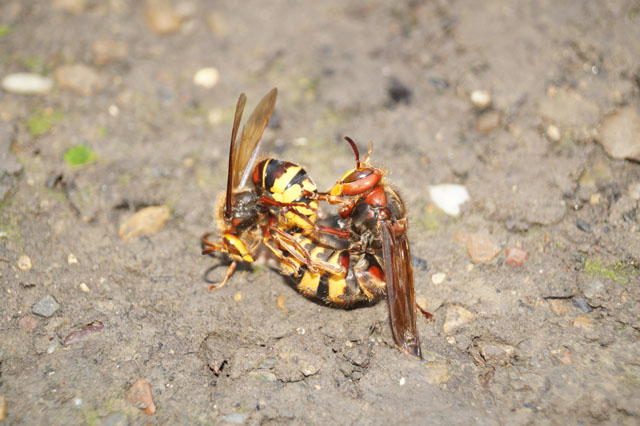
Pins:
x,y
355,150
232,153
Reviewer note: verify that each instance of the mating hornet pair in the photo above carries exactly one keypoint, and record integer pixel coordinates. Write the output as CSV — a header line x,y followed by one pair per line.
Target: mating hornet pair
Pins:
x,y
361,259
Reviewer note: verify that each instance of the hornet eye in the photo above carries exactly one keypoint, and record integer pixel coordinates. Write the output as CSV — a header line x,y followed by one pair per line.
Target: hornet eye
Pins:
x,y
357,175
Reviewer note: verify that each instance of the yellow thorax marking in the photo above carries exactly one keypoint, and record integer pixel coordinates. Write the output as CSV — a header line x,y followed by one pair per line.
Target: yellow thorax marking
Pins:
x,y
280,184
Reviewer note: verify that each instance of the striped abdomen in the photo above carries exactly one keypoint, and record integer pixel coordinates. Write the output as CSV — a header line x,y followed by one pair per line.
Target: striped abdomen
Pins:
x,y
362,281
287,183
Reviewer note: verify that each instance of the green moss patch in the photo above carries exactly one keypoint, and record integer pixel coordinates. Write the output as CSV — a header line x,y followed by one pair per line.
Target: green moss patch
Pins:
x,y
41,121
619,272
79,155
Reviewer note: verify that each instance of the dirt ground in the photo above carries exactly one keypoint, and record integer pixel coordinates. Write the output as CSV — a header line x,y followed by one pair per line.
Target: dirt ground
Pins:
x,y
552,341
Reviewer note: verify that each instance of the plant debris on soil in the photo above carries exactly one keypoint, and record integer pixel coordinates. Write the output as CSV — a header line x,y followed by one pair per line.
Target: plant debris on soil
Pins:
x,y
525,114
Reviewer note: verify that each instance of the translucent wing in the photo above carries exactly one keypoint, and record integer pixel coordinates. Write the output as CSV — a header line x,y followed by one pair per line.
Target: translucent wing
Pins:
x,y
233,152
250,138
400,291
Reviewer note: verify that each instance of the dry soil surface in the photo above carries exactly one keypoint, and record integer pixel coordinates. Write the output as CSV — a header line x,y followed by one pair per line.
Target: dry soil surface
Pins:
x,y
540,149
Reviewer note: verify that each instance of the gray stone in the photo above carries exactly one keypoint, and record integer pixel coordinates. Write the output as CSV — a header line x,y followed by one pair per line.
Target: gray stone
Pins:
x,y
46,307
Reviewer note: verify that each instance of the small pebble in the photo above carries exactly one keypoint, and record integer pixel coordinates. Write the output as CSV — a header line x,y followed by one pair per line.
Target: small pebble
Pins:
x,y
24,263
84,287
78,78
188,162
449,197
481,99
114,111
553,133
438,278
265,376
515,256
583,225
162,17
140,396
480,247
46,307
206,77
281,306
402,381
77,403
148,220
28,323
52,346
72,259
310,370
583,322
456,317
594,200
436,373
85,331
105,51
23,83
399,92
620,134
581,303
488,122
564,356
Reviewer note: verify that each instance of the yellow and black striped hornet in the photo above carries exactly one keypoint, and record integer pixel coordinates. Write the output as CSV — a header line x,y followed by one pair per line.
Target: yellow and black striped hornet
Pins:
x,y
361,279
275,207
376,217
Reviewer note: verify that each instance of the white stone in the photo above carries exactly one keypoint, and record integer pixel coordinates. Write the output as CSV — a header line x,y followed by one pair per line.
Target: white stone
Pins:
x,y
438,278
481,98
449,197
24,263
206,77
24,83
553,133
